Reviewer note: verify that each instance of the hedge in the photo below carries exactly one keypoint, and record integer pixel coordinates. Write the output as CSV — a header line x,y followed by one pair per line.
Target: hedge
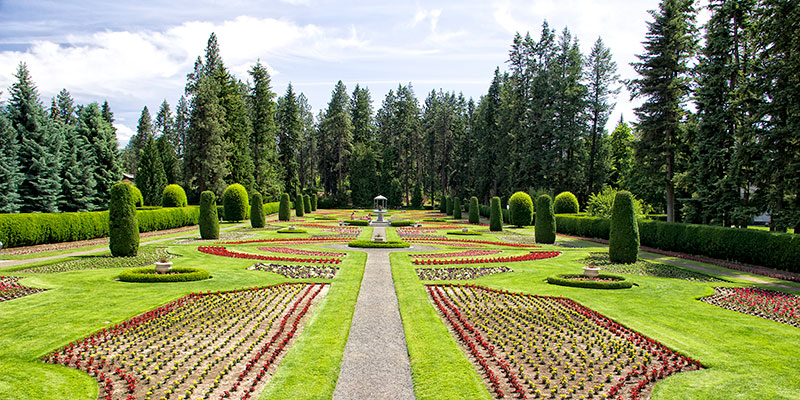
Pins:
x,y
495,215
122,223
256,211
307,203
623,237
284,213
149,275
208,221
566,203
457,208
403,223
474,217
561,281
236,203
768,249
173,196
370,244
520,208
271,208
545,225
314,202
467,233
356,222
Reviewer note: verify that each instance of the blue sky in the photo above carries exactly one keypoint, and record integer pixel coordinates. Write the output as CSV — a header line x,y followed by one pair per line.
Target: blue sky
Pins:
x,y
137,53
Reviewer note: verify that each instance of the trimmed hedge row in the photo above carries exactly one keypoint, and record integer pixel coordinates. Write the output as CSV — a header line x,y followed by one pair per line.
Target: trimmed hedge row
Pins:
x,y
768,249
149,275
356,222
403,223
167,218
467,233
370,244
621,284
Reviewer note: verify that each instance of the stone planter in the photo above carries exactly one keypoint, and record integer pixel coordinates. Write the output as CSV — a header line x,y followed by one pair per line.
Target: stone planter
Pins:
x,y
465,230
163,267
591,271
379,239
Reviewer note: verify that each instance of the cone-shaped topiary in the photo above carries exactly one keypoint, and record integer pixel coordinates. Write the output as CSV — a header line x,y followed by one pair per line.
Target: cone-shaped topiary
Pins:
x,y
257,211
284,210
235,203
495,215
520,209
457,208
545,220
173,196
474,212
209,220
566,203
416,198
443,205
122,224
299,209
314,202
307,203
623,236
449,205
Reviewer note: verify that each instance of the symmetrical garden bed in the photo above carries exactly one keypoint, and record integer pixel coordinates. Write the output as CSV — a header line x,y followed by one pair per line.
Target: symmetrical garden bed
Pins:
x,y
456,242
221,251
298,271
601,281
10,288
201,346
289,250
527,346
146,256
534,255
646,268
465,253
777,306
458,273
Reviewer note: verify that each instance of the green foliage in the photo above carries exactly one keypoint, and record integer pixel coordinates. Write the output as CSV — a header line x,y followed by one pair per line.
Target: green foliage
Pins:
x,y
391,244
209,221
10,176
520,209
356,222
136,195
457,208
122,223
167,218
177,274
173,196
150,177
257,219
462,233
335,140
449,205
584,226
623,240
566,203
363,175
495,215
314,202
289,129
416,198
299,207
287,230
284,211
235,202
403,223
601,204
204,163
307,203
474,211
545,220
621,143
443,205
394,197
562,280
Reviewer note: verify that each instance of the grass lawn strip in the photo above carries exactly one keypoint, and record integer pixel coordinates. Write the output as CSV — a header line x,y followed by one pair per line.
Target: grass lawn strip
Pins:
x,y
10,288
199,346
646,268
767,304
298,271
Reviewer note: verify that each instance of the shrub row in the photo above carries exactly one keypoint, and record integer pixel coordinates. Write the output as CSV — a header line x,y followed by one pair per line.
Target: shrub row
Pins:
x,y
370,244
167,218
562,281
356,222
149,275
403,223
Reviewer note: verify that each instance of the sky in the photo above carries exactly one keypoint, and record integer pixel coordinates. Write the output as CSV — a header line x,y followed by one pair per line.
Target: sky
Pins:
x,y
137,53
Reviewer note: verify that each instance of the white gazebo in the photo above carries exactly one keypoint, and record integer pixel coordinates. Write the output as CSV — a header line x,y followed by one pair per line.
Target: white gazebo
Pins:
x,y
380,203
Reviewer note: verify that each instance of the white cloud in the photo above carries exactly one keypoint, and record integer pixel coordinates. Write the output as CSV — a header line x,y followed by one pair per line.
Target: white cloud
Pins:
x,y
124,133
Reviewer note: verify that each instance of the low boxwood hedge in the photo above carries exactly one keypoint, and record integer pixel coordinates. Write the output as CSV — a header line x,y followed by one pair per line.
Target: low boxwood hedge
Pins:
x,y
149,275
325,218
435,220
467,233
403,223
562,280
371,244
292,231
356,222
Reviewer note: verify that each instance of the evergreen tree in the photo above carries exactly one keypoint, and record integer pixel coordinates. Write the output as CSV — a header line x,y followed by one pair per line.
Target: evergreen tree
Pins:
x,y
168,141
601,81
10,176
169,160
363,175
182,117
204,159
164,125
664,83
150,177
95,129
307,154
238,132
40,146
133,151
108,115
288,121
621,144
78,186
64,110
263,140
336,141
361,116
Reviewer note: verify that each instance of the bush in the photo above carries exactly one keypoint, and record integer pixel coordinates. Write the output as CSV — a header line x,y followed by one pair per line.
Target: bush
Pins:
x,y
371,244
443,205
271,208
601,204
167,218
287,230
235,203
416,198
474,212
462,233
284,212
585,226
623,237
173,196
457,208
209,221
545,220
495,215
257,219
149,275
136,195
299,209
403,223
566,203
314,202
520,209
617,284
122,224
449,205
356,222
307,203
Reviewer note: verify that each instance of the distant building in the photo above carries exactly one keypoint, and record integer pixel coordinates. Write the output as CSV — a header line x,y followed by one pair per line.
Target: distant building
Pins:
x,y
128,178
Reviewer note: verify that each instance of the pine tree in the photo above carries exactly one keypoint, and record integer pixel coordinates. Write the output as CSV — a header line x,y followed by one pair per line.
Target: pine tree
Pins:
x,y
150,177
97,131
64,110
182,117
664,83
78,186
10,176
601,81
363,175
336,144
288,121
263,140
133,151
169,160
108,115
204,159
307,154
238,132
361,116
621,143
40,146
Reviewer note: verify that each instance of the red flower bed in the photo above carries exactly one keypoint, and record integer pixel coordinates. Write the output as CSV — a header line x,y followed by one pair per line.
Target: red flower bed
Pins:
x,y
287,250
777,306
534,255
213,345
528,346
289,240
221,251
472,241
10,288
465,253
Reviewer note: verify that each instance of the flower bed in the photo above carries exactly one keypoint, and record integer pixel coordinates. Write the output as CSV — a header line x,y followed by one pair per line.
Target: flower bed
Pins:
x,y
201,346
10,288
221,251
473,241
176,274
444,243
298,271
601,281
16,251
528,346
646,268
288,250
462,273
286,240
146,256
465,253
534,255
391,244
777,306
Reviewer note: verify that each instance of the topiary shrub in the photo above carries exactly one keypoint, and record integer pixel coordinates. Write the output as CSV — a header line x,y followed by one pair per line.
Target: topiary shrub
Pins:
x,y
356,222
299,208
520,209
177,274
416,198
474,211
257,219
173,196
122,224
209,220
235,202
449,205
136,195
623,235
443,205
566,203
314,202
495,215
284,210
403,223
545,220
307,203
457,208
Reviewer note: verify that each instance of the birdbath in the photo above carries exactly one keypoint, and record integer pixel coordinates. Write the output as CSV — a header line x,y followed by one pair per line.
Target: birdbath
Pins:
x,y
591,271
380,207
163,266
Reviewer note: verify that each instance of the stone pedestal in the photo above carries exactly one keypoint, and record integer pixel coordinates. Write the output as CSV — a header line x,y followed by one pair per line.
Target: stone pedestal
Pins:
x,y
591,271
163,267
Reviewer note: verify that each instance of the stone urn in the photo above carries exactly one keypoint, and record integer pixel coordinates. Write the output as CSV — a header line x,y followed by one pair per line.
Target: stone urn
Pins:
x,y
292,228
465,230
379,238
163,266
591,271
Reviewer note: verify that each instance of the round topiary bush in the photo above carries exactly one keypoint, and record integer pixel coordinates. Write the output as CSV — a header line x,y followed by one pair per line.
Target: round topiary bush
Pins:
x,y
299,208
520,209
122,224
457,208
474,212
235,202
307,203
545,220
314,202
136,195
177,274
449,205
208,220
284,211
623,236
257,219
602,281
495,215
173,196
566,203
